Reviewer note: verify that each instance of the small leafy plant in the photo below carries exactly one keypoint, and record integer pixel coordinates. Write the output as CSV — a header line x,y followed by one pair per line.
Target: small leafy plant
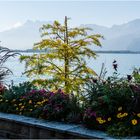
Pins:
x,y
5,54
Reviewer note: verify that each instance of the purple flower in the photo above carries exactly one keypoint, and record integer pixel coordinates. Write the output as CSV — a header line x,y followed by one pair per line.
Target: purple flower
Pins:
x,y
23,97
42,91
51,93
93,114
33,91
59,91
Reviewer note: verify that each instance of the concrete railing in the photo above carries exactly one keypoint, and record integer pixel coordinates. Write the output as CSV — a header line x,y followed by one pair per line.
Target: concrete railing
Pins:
x,y
17,126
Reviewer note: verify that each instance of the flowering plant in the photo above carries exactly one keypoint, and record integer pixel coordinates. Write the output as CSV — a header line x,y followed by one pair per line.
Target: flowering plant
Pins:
x,y
115,101
57,107
32,103
95,120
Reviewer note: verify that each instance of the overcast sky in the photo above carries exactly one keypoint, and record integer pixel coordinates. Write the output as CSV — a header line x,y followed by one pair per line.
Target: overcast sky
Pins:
x,y
15,13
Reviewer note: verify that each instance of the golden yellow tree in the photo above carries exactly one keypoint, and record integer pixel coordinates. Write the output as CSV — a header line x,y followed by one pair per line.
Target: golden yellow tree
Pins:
x,y
63,60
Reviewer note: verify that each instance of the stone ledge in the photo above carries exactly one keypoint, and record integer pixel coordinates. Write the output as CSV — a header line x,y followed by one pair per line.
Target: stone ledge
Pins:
x,y
17,126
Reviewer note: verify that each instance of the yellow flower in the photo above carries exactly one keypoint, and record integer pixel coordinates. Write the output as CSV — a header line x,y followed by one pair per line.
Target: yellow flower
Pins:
x,y
45,100
119,115
138,115
98,118
31,109
30,101
20,104
134,121
120,108
104,121
109,119
22,107
125,114
13,100
17,108
1,100
38,103
101,121
35,105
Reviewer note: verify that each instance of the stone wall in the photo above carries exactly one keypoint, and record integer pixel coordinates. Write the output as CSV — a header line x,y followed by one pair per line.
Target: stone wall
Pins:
x,y
17,126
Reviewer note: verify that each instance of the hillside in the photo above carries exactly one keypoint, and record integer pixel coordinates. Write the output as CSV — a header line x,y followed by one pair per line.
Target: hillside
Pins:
x,y
117,37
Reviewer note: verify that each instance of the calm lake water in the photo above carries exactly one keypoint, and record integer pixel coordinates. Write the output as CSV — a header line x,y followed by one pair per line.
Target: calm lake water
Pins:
x,y
126,63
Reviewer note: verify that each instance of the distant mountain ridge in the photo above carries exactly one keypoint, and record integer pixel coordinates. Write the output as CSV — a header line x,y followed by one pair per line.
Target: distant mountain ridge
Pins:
x,y
22,37
118,37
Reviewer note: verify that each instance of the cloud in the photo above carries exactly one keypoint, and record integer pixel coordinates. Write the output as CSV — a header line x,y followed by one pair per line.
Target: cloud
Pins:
x,y
14,26
17,24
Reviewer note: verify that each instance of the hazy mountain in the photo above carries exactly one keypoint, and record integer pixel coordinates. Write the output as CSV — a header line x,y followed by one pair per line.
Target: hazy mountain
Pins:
x,y
22,37
117,37
120,37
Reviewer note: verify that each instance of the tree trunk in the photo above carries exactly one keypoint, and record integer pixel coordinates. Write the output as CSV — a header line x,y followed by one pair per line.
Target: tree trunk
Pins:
x,y
66,57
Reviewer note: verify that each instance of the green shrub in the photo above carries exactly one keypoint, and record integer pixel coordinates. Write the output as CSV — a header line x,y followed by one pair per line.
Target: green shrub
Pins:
x,y
119,130
114,98
12,96
76,109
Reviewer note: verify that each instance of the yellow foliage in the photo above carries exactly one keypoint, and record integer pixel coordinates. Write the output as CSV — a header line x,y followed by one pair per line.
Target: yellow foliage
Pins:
x,y
63,56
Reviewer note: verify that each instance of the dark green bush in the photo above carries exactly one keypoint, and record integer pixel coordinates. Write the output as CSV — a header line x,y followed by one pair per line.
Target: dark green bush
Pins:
x,y
114,98
12,96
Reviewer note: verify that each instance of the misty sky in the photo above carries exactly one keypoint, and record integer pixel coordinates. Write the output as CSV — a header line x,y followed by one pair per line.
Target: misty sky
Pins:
x,y
15,13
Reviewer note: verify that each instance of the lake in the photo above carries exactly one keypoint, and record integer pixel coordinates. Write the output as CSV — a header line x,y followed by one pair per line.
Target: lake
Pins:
x,y
126,63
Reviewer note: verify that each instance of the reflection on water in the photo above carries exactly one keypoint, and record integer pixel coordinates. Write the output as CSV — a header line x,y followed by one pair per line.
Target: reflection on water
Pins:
x,y
126,63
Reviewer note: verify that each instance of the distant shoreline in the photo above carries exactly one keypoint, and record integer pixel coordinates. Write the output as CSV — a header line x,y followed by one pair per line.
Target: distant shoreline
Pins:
x,y
107,51
120,52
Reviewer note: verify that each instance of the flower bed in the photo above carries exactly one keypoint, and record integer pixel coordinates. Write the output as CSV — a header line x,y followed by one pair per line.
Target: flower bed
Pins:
x,y
24,100
111,105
